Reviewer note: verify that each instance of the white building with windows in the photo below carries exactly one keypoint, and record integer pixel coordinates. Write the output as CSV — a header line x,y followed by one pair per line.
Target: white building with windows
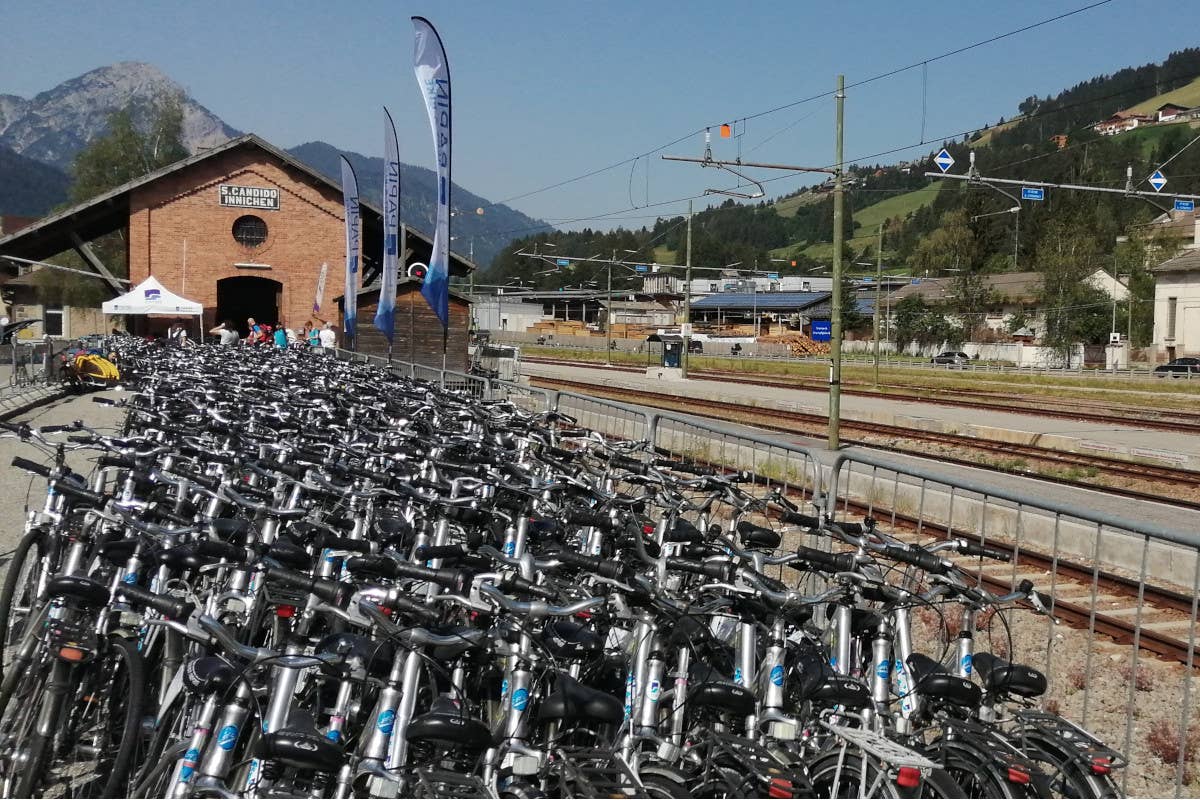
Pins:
x,y
1177,304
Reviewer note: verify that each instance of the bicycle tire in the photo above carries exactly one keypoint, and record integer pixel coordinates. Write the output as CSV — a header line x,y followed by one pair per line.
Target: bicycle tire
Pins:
x,y
843,774
975,774
1068,777
161,743
21,572
116,677
18,727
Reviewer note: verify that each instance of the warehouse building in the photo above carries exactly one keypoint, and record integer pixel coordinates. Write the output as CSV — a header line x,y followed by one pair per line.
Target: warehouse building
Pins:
x,y
242,228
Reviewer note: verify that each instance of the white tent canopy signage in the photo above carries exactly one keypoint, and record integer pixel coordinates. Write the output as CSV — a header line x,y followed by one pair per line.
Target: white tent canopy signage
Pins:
x,y
150,297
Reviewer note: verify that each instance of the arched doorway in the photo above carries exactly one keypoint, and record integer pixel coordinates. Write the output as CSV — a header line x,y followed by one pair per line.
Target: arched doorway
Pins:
x,y
248,296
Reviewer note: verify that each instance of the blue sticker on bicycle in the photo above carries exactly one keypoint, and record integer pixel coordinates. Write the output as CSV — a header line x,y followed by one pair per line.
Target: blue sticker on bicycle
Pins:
x,y
510,548
737,675
881,669
520,699
967,664
386,721
504,688
130,578
777,675
227,737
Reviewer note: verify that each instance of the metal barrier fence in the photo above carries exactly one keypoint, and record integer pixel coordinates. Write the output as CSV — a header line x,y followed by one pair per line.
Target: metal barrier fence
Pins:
x,y
1083,561
1086,563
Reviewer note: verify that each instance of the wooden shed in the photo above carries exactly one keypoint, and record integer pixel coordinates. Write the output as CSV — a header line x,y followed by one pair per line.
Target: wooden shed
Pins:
x,y
418,333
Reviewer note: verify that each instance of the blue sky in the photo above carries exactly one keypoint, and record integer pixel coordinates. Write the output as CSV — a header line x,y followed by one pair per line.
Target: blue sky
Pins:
x,y
547,91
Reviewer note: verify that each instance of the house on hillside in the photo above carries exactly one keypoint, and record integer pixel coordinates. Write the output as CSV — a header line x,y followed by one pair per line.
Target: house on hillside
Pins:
x,y
1122,121
1169,112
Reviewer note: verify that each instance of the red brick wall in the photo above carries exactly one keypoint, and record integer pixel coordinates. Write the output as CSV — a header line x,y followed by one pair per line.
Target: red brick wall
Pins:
x,y
307,230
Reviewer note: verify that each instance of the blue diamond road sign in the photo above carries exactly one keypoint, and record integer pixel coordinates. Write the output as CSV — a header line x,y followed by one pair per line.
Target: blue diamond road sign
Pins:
x,y
1028,193
563,262
1185,205
822,330
943,160
1158,180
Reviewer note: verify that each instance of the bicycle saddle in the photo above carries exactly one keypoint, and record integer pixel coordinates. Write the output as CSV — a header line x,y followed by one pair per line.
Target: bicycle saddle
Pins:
x,y
567,639
571,700
447,722
757,537
469,640
86,591
711,688
208,674
234,531
934,681
1004,677
302,748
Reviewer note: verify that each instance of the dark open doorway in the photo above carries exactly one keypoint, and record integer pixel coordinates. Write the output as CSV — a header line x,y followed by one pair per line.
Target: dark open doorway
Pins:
x,y
246,296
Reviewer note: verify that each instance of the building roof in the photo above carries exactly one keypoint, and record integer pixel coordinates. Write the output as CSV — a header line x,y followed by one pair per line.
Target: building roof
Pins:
x,y
110,211
1020,286
1187,261
763,301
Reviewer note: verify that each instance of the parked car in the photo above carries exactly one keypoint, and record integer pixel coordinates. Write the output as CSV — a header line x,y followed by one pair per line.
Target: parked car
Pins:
x,y
1179,368
951,359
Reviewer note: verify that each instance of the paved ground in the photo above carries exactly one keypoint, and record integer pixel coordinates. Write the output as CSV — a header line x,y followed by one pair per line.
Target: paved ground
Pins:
x,y
1128,440
18,489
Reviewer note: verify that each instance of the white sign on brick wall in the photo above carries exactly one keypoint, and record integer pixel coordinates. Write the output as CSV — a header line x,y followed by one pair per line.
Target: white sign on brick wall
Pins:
x,y
258,197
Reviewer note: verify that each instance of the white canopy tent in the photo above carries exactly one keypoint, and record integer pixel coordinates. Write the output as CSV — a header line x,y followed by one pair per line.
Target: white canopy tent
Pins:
x,y
151,297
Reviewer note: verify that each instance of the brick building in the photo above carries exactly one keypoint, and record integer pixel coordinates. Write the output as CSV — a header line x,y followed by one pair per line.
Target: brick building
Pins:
x,y
242,228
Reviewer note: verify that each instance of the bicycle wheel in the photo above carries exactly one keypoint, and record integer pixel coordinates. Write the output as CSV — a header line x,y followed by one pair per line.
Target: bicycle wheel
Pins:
x,y
1068,778
18,598
171,734
102,736
974,775
847,773
17,725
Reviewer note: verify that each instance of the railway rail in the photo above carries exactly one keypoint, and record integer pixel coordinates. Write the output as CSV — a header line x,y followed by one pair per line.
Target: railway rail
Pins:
x,y
1179,421
794,422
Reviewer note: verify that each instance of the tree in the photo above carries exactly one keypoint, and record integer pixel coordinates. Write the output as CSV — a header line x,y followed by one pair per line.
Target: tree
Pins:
x,y
125,152
1075,311
951,246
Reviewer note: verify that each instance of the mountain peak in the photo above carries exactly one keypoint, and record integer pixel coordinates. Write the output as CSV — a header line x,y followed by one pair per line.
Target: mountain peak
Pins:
x,y
57,123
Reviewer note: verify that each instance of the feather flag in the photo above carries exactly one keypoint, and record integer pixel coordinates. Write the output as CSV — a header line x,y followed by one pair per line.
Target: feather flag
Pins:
x,y
433,76
385,313
350,202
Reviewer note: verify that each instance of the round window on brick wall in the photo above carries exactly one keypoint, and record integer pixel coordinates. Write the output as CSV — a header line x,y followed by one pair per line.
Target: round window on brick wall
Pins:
x,y
250,230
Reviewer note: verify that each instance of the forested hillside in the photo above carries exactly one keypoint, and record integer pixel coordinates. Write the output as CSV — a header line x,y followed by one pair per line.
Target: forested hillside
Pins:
x,y
932,229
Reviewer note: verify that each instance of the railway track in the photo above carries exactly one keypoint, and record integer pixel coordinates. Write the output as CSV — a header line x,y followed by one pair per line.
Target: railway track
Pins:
x,y
1172,420
1070,595
1010,455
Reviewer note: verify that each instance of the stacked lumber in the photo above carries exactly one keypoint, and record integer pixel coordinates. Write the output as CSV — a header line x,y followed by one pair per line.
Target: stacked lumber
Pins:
x,y
798,344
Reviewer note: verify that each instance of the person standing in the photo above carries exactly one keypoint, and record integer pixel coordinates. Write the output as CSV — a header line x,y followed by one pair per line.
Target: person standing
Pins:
x,y
227,332
280,336
328,338
314,336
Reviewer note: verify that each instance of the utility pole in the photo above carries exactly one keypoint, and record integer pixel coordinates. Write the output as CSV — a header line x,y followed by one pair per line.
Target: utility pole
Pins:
x,y
878,291
687,297
609,315
835,311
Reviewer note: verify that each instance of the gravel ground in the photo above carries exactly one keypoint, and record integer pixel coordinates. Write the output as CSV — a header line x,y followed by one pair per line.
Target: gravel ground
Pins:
x,y
18,489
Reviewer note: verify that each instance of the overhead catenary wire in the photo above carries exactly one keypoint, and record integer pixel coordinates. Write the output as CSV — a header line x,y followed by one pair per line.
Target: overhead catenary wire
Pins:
x,y
809,99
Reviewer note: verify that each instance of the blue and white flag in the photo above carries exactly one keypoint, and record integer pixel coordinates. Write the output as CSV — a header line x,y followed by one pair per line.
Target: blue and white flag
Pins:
x,y
350,202
433,76
385,313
